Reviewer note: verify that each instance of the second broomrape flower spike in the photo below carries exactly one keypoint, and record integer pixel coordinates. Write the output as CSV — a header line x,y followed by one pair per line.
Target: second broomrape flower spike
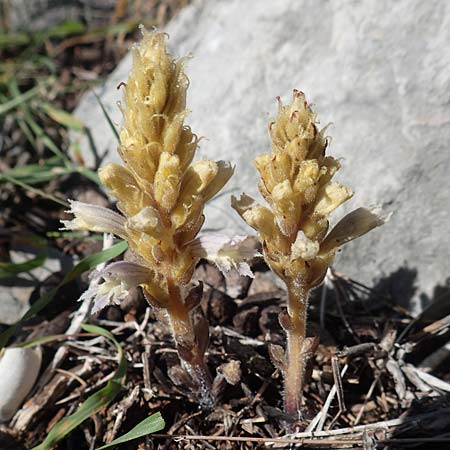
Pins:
x,y
296,181
161,195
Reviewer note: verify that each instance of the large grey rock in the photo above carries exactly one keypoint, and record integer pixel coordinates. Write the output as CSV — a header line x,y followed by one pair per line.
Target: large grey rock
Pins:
x,y
379,70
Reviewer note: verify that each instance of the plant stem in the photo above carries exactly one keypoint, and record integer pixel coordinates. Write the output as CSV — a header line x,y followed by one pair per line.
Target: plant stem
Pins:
x,y
190,347
295,360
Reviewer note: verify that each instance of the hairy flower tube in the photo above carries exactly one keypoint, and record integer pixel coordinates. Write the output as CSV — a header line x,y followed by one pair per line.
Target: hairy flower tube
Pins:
x,y
161,194
296,182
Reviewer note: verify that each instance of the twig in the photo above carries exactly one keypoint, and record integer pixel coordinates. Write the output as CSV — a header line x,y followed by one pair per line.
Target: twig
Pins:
x,y
256,398
261,440
121,411
320,437
145,356
72,375
140,328
242,339
367,397
326,406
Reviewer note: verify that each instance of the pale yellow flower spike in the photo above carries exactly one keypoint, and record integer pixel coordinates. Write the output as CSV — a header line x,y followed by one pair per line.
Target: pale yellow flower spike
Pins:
x,y
161,196
157,149
296,183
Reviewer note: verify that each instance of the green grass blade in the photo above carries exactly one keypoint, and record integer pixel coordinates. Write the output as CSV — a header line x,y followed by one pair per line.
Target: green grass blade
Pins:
x,y
8,40
37,191
66,29
90,175
108,118
87,409
62,117
34,177
92,261
40,134
19,99
11,269
72,235
95,402
84,265
151,424
42,340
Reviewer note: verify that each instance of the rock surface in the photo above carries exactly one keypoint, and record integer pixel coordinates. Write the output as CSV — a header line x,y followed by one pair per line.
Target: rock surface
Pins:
x,y
15,291
377,70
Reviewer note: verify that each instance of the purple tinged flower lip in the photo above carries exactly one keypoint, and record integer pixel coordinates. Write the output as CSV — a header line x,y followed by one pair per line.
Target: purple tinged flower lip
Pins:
x,y
94,218
130,273
227,253
352,226
111,284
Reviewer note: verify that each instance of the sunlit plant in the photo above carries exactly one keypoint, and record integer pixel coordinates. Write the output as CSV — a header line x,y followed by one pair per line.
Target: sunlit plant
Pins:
x,y
161,194
296,183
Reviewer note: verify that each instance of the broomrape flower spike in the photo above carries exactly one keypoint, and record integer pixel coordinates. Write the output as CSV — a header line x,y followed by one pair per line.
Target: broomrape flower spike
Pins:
x,y
161,194
296,182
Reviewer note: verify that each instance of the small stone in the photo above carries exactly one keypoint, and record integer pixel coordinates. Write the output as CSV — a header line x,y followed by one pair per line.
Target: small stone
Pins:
x,y
19,368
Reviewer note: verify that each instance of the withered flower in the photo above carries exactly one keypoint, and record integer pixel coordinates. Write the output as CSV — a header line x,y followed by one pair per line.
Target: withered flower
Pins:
x,y
296,182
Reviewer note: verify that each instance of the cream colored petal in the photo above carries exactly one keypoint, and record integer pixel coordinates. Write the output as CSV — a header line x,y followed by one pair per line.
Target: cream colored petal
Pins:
x,y
263,220
157,96
261,162
258,217
147,221
172,132
197,177
141,159
330,197
227,253
308,175
123,185
187,211
95,218
186,148
201,182
224,172
304,248
352,226
286,206
167,181
331,166
244,203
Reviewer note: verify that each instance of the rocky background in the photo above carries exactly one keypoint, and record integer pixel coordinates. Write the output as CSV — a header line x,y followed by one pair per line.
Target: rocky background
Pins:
x,y
377,71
